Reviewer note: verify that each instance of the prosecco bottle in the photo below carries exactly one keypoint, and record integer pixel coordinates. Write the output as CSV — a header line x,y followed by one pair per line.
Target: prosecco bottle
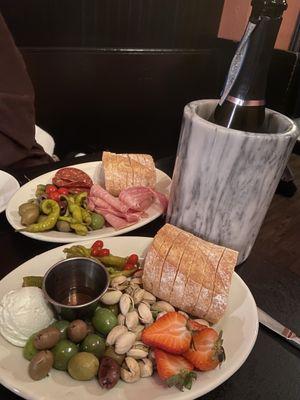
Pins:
x,y
242,104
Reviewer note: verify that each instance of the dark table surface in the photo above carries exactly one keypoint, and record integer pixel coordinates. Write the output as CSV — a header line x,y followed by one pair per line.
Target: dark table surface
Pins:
x,y
272,272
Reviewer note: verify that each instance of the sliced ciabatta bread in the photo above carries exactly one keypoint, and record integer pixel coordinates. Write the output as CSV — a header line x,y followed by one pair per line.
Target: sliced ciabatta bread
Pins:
x,y
190,273
127,170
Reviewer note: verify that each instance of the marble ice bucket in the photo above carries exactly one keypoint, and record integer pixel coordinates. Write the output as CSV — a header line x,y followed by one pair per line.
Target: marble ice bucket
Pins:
x,y
224,179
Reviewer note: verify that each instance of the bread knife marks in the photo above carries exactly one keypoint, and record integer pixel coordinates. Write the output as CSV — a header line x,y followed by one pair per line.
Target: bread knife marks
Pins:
x,y
176,296
206,292
171,265
222,285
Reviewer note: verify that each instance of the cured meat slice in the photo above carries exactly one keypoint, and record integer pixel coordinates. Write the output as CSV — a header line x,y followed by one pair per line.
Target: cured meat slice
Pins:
x,y
116,222
98,191
141,197
71,177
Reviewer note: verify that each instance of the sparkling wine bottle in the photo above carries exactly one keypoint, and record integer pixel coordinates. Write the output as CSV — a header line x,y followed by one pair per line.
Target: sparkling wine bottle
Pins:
x,y
242,105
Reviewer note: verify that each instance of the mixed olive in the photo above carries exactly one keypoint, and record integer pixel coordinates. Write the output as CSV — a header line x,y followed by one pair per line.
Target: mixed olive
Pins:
x,y
58,208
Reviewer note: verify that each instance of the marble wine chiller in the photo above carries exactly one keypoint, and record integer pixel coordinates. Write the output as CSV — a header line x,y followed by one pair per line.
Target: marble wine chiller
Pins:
x,y
224,179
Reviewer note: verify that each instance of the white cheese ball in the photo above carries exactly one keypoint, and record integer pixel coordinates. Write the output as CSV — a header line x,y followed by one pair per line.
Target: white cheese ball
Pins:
x,y
22,313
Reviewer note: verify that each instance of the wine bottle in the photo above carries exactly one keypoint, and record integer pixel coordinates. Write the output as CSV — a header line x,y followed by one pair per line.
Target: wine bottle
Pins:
x,y
242,104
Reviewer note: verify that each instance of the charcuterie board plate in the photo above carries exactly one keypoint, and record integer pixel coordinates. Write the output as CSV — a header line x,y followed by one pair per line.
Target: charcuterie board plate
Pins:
x,y
93,169
239,325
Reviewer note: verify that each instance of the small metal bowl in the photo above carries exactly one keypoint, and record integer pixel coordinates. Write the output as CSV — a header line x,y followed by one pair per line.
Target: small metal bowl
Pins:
x,y
74,287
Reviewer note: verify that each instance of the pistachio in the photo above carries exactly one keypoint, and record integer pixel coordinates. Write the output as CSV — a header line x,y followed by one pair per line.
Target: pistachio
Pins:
x,y
126,303
137,354
132,320
145,315
184,314
121,319
149,298
124,342
138,331
131,289
161,314
115,333
119,282
162,306
146,367
111,297
136,281
130,371
138,296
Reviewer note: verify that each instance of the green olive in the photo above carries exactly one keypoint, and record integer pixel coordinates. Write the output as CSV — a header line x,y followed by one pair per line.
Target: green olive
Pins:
x,y
30,216
104,320
110,352
29,350
94,344
27,206
63,352
83,366
63,226
62,326
113,307
97,221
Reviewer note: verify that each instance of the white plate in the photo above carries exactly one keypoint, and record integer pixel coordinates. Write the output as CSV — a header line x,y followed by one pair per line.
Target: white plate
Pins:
x,y
239,325
8,187
93,169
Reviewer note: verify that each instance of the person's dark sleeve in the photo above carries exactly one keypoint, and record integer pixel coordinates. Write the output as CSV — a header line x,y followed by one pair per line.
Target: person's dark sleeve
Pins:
x,y
17,118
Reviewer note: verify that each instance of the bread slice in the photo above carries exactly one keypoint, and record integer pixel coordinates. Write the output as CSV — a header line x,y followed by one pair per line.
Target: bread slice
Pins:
x,y
177,293
196,276
221,286
156,256
171,265
127,170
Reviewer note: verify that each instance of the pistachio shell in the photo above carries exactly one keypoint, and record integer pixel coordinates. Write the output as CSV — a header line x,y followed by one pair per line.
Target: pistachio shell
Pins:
x,y
184,314
149,297
132,320
136,281
146,367
201,321
119,282
124,342
138,296
162,306
115,333
126,303
111,297
130,371
161,314
121,319
138,331
145,314
137,354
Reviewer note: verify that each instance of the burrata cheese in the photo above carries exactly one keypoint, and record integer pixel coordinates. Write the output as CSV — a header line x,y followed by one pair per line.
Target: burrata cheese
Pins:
x,y
23,312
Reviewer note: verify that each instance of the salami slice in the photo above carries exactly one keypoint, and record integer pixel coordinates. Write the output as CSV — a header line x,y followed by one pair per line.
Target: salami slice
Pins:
x,y
71,177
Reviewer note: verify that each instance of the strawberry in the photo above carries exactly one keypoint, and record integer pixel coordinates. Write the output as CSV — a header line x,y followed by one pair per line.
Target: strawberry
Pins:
x,y
168,333
174,369
206,350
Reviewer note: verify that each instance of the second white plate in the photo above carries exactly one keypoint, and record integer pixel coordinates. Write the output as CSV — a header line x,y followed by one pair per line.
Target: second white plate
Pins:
x,y
26,192
239,326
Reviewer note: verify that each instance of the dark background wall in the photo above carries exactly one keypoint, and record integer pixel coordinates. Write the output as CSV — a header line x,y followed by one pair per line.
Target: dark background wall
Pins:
x,y
116,74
